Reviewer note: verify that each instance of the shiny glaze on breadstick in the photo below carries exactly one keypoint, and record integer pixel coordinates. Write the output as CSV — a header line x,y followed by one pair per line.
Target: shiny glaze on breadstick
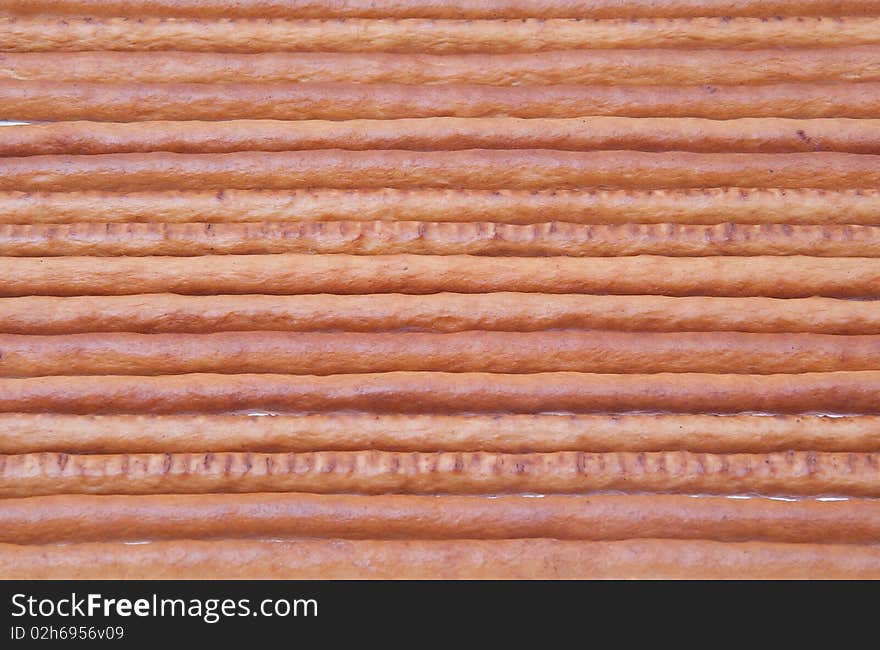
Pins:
x,y
850,392
99,518
27,433
314,353
56,100
771,276
437,238
597,206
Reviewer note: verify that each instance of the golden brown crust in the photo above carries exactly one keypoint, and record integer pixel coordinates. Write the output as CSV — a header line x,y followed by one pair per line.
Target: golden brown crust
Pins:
x,y
441,559
93,518
443,312
445,8
25,433
311,353
754,135
34,34
684,206
436,238
619,67
771,276
849,392
467,169
54,100
377,472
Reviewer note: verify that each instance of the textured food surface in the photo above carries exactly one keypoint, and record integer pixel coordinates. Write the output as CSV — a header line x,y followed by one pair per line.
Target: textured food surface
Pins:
x,y
411,289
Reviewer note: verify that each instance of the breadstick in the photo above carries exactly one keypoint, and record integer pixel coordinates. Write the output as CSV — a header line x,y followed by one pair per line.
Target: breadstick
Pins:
x,y
55,100
771,276
848,392
750,135
309,353
26,34
93,518
378,472
24,433
441,559
686,206
469,169
443,312
436,238
444,8
630,67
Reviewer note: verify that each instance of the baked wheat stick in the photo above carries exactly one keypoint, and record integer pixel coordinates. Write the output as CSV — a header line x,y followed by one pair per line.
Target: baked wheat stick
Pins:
x,y
102,518
54,100
467,169
444,8
433,238
336,353
846,392
768,276
749,135
443,312
46,34
378,472
441,559
631,67
28,433
685,206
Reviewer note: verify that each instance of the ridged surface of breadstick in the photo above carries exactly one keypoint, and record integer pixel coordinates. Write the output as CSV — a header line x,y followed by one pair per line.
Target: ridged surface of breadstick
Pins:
x,y
443,312
378,472
26,433
24,34
99,518
436,238
849,392
684,206
445,8
751,135
54,100
468,169
771,276
310,353
630,67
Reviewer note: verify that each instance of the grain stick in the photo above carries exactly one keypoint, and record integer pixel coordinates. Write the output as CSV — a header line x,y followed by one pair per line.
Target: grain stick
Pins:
x,y
307,353
106,434
441,559
93,518
630,67
436,238
852,392
771,276
685,206
444,8
36,34
444,312
377,472
749,135
469,169
54,100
